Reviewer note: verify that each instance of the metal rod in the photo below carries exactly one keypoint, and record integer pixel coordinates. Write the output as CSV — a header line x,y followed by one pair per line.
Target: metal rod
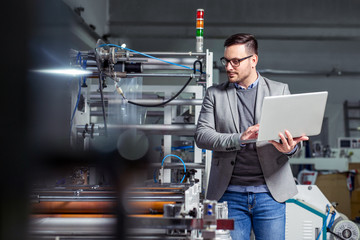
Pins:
x,y
174,53
90,63
147,67
73,226
74,198
156,101
85,188
88,134
163,129
162,75
126,75
96,95
107,226
179,165
176,223
148,61
148,114
189,62
73,191
156,198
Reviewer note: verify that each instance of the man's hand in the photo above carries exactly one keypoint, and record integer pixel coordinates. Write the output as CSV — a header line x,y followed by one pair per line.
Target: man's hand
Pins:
x,y
287,144
250,133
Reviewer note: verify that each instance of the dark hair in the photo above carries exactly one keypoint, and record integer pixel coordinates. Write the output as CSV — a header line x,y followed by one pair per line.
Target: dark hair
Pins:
x,y
243,38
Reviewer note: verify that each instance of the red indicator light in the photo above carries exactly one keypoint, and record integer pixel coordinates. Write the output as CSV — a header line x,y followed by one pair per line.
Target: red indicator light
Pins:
x,y
200,13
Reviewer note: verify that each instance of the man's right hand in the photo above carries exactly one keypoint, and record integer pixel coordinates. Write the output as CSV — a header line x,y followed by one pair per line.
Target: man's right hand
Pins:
x,y
250,133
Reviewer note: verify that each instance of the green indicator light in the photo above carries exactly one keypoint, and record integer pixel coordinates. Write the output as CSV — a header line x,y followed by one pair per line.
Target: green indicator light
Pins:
x,y
199,32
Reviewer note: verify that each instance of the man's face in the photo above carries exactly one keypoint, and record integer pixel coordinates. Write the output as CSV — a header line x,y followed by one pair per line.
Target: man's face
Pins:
x,y
246,71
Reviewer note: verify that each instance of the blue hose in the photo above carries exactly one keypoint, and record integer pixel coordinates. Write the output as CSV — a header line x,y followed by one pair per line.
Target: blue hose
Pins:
x,y
172,155
146,55
76,106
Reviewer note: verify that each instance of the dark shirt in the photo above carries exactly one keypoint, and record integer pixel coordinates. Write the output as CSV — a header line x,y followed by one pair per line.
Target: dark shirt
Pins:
x,y
247,169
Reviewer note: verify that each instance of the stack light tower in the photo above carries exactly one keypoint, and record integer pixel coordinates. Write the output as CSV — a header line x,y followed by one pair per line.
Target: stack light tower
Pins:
x,y
199,30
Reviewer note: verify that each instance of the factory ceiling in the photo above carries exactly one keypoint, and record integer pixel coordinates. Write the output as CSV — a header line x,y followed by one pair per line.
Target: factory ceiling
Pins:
x,y
279,19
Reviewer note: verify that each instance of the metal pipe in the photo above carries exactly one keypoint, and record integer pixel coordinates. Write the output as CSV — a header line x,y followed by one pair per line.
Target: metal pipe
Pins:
x,y
90,188
177,223
162,75
150,64
126,75
156,198
179,165
94,113
88,134
149,61
147,67
173,54
82,190
74,215
184,59
73,226
90,63
110,95
74,198
152,200
157,101
161,188
107,226
163,129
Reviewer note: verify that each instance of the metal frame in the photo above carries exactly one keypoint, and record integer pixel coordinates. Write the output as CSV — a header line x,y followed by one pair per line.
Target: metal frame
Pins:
x,y
167,129
168,115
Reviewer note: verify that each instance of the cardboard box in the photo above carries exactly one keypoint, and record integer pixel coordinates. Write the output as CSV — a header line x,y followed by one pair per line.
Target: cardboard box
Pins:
x,y
334,187
355,210
356,166
355,204
355,196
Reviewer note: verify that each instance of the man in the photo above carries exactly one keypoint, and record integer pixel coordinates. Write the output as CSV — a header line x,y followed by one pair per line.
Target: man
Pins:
x,y
255,179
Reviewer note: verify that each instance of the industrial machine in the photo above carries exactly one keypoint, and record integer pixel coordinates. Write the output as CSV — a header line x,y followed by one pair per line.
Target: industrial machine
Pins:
x,y
310,215
117,112
119,103
167,212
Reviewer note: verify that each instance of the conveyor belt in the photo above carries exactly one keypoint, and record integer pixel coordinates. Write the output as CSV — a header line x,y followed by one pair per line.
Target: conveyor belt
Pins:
x,y
141,200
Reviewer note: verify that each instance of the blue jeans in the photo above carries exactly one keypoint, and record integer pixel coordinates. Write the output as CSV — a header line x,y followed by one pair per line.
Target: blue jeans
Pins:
x,y
257,211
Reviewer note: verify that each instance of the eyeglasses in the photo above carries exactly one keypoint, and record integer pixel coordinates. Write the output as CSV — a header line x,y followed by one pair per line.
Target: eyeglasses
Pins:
x,y
235,62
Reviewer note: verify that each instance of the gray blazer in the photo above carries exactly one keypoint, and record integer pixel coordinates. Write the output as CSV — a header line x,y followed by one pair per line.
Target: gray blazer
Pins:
x,y
218,130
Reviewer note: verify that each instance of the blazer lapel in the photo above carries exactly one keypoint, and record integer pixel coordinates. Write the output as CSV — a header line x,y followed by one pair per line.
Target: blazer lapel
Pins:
x,y
262,92
232,98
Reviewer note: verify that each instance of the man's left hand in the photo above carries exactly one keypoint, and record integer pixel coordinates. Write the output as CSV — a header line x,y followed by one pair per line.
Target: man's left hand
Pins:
x,y
287,143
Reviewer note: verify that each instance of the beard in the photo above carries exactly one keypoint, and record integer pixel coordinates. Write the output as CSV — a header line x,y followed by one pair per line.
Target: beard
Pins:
x,y
237,77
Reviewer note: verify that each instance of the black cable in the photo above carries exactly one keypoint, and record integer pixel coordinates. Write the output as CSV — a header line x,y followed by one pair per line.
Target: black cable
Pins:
x,y
165,102
336,235
102,103
177,94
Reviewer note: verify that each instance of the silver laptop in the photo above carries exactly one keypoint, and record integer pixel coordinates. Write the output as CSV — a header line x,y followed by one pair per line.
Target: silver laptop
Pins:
x,y
300,114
